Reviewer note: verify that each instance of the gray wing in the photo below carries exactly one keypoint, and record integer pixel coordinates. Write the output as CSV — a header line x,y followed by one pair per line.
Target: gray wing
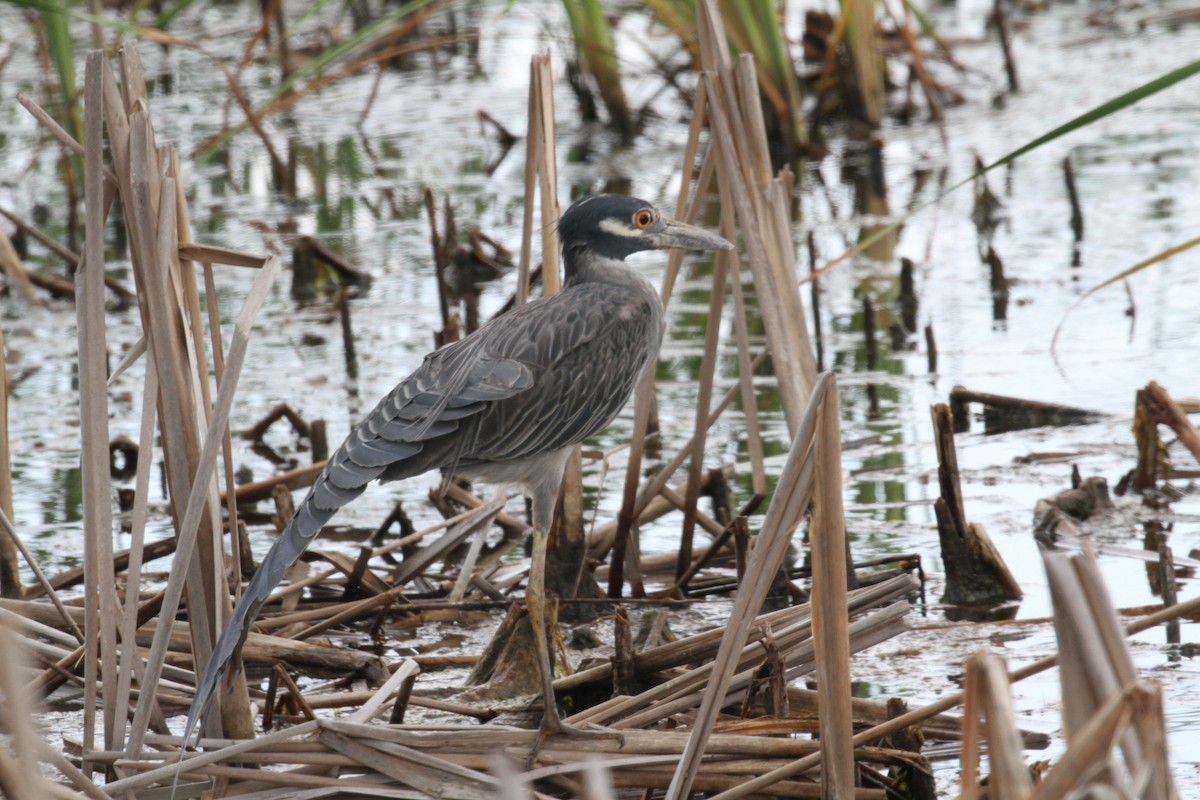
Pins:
x,y
547,375
590,355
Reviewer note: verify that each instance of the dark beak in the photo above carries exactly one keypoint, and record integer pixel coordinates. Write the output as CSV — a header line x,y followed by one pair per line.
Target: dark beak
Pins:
x,y
687,237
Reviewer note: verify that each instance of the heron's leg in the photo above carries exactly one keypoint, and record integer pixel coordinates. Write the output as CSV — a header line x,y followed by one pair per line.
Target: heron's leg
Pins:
x,y
544,501
535,602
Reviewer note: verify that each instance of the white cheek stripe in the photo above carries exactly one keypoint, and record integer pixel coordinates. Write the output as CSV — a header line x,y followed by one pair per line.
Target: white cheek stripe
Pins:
x,y
618,228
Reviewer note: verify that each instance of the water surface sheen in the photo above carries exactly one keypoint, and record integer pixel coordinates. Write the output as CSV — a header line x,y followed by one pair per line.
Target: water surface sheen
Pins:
x,y
360,184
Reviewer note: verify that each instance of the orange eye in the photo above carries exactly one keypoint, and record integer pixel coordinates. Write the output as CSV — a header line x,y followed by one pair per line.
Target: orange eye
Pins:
x,y
643,218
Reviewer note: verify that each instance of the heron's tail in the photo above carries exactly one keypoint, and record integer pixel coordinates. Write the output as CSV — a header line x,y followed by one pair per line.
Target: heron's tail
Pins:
x,y
294,540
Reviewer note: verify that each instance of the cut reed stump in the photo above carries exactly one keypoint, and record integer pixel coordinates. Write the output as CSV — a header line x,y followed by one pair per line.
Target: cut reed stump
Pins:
x,y
1052,516
1154,407
976,574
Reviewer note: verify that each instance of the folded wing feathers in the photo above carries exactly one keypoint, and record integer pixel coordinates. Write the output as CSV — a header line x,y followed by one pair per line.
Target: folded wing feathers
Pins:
x,y
430,404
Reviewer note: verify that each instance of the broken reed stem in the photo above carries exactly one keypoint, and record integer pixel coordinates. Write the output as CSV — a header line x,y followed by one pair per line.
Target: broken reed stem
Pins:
x,y
1010,67
931,349
100,596
791,499
919,715
644,394
1091,743
348,345
10,567
987,698
533,146
708,365
439,262
6,523
815,297
18,770
763,207
746,367
827,536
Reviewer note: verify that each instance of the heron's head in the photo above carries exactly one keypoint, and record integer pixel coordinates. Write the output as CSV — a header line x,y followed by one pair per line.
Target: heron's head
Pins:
x,y
614,226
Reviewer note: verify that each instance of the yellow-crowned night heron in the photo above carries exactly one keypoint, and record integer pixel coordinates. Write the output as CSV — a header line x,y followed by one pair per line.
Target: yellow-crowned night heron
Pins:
x,y
504,405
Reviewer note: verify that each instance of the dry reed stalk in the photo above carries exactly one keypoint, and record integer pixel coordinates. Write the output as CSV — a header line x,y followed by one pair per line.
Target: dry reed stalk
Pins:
x,y
547,171
532,145
15,271
708,366
919,715
650,501
792,496
972,737
1095,665
746,365
987,697
19,776
763,206
827,541
632,504
167,772
10,567
1092,747
408,670
1093,661
64,615
541,176
570,517
168,292
421,770
100,596
862,42
467,569
133,575
689,690
215,343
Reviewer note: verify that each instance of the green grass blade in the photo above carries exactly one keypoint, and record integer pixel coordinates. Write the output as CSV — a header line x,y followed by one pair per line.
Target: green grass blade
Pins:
x,y
62,53
923,22
1120,276
1141,265
1099,112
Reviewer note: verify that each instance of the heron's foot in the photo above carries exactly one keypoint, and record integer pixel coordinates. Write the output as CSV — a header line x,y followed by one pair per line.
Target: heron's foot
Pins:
x,y
552,725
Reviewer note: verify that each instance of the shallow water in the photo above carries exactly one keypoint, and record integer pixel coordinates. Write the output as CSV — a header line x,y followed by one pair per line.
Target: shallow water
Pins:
x,y
360,189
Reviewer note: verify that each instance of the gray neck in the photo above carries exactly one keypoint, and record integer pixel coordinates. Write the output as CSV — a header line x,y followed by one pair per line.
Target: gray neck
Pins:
x,y
586,266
